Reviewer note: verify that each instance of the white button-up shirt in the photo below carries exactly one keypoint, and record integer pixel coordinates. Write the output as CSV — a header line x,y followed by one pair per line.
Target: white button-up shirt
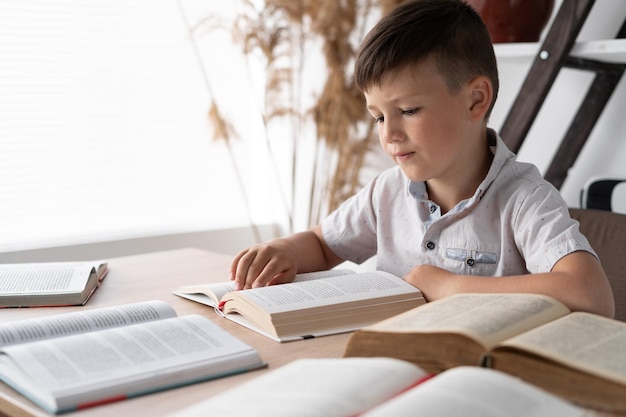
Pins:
x,y
515,223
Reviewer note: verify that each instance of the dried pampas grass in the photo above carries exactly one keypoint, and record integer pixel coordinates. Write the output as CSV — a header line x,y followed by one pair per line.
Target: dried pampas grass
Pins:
x,y
279,32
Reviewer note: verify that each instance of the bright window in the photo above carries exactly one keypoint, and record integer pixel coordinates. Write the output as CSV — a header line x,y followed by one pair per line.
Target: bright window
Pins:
x,y
103,127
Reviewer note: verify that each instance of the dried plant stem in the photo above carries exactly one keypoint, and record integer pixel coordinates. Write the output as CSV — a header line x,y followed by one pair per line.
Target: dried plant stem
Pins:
x,y
280,31
223,129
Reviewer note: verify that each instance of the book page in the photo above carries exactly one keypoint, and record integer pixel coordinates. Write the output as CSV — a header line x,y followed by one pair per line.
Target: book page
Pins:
x,y
59,277
191,346
207,294
313,387
307,276
489,318
211,294
583,341
476,392
57,325
325,292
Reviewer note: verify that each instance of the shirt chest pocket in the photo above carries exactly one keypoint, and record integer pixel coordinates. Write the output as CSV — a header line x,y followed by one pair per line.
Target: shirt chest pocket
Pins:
x,y
472,262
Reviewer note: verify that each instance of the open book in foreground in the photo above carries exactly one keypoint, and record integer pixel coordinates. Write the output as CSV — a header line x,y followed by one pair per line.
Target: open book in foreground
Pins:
x,y
314,304
76,360
578,356
49,283
381,387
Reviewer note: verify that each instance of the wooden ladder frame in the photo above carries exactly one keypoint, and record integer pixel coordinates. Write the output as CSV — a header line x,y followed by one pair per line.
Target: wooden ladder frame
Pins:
x,y
554,55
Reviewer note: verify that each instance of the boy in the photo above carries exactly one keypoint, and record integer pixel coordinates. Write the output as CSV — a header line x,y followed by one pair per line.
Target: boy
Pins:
x,y
458,213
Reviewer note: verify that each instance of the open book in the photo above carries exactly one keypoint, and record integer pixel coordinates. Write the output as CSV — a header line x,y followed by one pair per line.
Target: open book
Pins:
x,y
314,304
381,387
578,356
76,360
49,283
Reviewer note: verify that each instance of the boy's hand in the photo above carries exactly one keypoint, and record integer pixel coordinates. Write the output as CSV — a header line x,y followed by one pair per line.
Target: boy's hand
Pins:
x,y
278,260
432,281
274,262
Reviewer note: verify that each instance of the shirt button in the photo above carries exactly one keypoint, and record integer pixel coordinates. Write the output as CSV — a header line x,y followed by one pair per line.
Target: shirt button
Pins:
x,y
430,245
433,209
470,262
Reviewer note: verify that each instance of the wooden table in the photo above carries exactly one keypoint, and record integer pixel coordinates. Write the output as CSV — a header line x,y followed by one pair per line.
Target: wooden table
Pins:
x,y
155,276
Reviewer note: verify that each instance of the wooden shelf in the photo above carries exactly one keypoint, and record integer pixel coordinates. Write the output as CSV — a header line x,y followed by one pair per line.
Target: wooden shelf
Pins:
x,y
605,50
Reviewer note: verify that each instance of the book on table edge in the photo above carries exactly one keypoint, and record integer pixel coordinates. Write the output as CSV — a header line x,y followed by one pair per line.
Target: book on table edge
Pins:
x,y
74,363
50,284
380,387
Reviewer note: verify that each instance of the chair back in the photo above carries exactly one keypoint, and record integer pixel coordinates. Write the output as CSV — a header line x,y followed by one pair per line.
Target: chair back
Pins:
x,y
606,232
604,194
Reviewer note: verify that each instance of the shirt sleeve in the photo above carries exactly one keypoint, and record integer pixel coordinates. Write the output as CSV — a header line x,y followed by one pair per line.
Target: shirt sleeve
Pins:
x,y
350,230
545,230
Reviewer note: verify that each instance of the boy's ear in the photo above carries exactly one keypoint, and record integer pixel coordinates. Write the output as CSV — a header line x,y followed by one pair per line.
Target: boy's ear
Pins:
x,y
481,93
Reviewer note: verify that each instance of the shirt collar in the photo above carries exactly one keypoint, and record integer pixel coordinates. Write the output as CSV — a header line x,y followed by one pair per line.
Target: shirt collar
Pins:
x,y
502,156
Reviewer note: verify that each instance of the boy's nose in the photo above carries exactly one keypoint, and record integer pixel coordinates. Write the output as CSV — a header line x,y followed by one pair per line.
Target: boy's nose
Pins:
x,y
392,133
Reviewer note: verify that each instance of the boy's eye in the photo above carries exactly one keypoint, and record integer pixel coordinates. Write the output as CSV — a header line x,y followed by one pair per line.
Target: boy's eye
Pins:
x,y
378,119
409,112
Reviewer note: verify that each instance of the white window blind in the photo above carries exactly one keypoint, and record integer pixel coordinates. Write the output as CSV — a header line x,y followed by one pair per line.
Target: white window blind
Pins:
x,y
103,128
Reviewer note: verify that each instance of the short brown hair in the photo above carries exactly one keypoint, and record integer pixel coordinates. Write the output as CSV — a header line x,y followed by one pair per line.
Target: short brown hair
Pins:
x,y
450,31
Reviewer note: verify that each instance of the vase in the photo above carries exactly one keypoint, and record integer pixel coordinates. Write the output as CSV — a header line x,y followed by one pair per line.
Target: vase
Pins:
x,y
514,20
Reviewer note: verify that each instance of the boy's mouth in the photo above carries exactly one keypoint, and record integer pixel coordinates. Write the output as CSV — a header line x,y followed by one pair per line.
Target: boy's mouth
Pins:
x,y
401,156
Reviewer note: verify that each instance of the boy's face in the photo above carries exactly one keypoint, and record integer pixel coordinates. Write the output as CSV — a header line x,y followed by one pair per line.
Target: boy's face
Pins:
x,y
428,131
